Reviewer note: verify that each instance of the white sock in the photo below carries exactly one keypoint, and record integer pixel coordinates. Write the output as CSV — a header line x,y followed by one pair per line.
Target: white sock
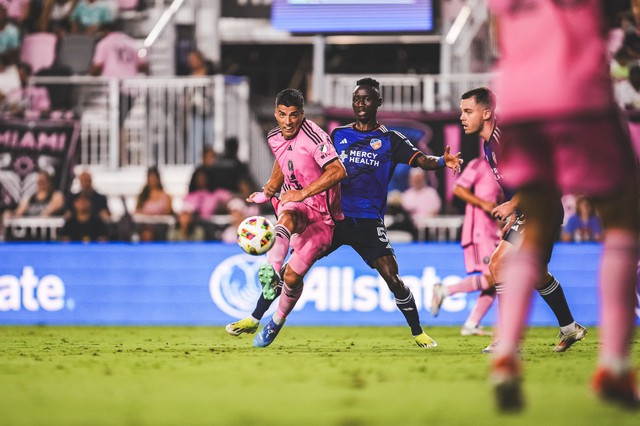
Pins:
x,y
470,324
567,329
277,319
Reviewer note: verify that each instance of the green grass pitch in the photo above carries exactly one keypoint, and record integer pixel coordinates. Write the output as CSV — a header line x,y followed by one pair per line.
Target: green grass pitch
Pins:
x,y
310,376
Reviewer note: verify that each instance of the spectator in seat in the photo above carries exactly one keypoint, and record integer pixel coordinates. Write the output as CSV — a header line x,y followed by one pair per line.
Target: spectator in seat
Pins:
x,y
56,13
209,158
186,228
204,201
89,16
99,207
9,38
28,99
584,225
84,225
45,202
420,200
232,174
153,200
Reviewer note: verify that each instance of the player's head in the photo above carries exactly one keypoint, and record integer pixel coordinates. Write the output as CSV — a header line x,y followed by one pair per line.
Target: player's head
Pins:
x,y
289,112
366,99
477,108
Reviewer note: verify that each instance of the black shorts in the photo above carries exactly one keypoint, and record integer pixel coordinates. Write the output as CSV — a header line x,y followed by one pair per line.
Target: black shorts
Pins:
x,y
514,234
368,237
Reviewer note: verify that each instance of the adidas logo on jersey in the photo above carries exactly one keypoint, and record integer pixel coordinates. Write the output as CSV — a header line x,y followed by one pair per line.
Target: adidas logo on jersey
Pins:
x,y
289,148
343,141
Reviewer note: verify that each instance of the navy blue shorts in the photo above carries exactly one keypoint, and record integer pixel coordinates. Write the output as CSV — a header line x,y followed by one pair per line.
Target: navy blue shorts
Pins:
x,y
514,234
368,237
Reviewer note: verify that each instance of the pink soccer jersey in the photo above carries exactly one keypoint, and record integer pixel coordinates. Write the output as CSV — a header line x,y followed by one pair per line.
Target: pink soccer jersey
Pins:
x,y
302,159
478,226
117,53
529,84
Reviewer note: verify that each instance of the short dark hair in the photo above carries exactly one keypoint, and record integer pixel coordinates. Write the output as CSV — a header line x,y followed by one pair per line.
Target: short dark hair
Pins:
x,y
370,82
483,96
290,97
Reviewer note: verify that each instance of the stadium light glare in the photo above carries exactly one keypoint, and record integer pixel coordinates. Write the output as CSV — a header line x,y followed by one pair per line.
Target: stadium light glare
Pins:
x,y
458,25
162,23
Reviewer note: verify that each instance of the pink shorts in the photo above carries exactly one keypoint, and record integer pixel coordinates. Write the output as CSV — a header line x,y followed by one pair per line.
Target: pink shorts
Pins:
x,y
315,238
590,154
477,255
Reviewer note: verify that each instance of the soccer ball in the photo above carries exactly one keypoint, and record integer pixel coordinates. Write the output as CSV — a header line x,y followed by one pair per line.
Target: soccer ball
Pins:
x,y
256,235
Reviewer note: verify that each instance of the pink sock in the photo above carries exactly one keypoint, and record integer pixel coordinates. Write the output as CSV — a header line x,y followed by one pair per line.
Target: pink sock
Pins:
x,y
485,300
522,272
469,284
278,252
618,280
288,300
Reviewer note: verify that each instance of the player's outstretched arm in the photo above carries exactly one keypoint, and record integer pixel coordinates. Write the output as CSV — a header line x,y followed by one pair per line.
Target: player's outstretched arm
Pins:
x,y
270,188
333,173
275,182
466,195
431,162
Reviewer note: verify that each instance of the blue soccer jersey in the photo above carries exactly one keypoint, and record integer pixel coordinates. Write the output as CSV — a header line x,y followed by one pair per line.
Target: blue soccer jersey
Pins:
x,y
370,158
491,150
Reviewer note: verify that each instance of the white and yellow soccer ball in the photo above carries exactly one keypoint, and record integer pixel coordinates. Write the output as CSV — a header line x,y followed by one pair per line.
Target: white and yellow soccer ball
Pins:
x,y
256,235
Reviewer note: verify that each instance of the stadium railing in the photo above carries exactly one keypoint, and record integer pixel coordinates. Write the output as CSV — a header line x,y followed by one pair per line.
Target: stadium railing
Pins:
x,y
407,93
155,120
32,228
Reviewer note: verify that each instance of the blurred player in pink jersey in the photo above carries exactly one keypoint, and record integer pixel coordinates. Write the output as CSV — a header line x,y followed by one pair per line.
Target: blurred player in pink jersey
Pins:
x,y
306,171
562,133
480,236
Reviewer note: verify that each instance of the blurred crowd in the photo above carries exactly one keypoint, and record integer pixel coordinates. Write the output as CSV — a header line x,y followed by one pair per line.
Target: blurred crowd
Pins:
x,y
214,206
61,38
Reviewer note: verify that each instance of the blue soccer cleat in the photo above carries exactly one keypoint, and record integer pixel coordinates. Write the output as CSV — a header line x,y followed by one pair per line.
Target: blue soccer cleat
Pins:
x,y
267,335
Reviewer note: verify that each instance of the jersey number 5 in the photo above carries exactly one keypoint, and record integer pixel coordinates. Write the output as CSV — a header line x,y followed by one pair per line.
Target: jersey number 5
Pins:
x,y
382,234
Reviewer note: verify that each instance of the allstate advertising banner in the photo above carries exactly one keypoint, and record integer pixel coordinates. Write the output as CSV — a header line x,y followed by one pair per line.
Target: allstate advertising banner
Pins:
x,y
214,283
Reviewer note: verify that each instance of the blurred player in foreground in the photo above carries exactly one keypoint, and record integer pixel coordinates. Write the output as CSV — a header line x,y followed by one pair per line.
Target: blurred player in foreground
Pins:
x,y
477,187
478,117
562,133
370,153
307,170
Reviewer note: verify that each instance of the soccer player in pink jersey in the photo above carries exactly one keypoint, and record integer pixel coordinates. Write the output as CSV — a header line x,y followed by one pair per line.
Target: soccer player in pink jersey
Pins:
x,y
478,116
370,153
562,133
480,236
306,171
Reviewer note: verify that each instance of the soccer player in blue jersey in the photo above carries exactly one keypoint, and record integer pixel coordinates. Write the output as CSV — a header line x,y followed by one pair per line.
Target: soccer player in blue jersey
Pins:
x,y
370,153
478,118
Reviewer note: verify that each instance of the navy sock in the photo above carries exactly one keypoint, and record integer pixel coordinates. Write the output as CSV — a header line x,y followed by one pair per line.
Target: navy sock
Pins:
x,y
553,294
263,304
407,305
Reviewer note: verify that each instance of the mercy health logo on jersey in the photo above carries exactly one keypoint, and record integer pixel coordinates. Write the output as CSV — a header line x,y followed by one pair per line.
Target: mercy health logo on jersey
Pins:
x,y
234,285
234,289
32,293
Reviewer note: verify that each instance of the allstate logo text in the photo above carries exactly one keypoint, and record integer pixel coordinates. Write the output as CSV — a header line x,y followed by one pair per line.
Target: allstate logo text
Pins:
x,y
30,292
